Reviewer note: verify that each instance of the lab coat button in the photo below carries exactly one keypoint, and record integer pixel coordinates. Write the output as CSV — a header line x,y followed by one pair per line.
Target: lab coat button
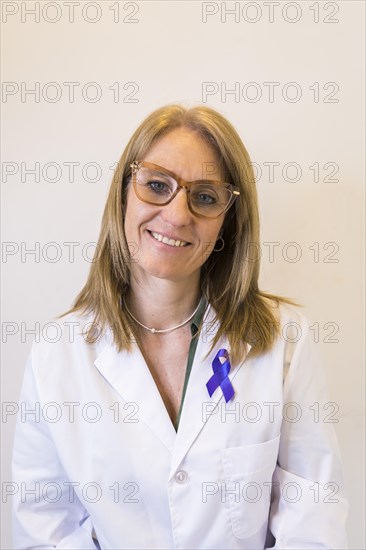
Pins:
x,y
181,476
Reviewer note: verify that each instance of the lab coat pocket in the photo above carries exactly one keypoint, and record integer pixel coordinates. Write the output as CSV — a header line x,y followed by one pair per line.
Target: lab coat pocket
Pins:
x,y
248,474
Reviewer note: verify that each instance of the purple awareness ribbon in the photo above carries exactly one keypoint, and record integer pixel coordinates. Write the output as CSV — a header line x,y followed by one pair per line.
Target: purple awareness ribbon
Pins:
x,y
220,376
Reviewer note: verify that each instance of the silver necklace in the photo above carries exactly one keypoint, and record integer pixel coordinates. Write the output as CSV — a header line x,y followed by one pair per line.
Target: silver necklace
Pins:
x,y
155,330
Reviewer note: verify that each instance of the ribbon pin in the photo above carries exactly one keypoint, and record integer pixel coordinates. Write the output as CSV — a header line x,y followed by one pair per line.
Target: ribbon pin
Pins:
x,y
220,376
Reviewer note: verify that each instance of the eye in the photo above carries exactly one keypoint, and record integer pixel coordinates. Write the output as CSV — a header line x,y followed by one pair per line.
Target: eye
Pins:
x,y
158,186
205,195
205,198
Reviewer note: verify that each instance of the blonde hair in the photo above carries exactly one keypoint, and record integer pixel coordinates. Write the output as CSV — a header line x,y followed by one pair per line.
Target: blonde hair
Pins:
x,y
229,279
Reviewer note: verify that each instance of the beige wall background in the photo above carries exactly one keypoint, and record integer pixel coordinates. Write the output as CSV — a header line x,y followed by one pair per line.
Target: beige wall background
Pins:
x,y
77,79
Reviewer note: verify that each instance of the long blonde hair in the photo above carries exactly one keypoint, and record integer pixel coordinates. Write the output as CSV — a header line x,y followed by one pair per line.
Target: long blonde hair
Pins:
x,y
229,278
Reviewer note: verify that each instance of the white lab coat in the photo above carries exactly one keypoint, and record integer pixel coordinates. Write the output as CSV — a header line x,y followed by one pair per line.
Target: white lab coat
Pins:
x,y
100,458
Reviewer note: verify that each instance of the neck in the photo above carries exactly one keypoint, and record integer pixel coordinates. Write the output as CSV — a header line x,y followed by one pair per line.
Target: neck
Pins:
x,y
162,304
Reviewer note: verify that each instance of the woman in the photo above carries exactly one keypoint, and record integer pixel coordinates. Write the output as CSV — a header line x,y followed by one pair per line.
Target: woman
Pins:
x,y
184,403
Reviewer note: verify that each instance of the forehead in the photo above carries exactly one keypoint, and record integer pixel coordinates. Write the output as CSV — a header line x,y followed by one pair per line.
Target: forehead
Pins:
x,y
184,152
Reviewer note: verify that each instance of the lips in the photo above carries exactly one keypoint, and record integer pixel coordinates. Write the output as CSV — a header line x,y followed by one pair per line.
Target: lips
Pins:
x,y
167,240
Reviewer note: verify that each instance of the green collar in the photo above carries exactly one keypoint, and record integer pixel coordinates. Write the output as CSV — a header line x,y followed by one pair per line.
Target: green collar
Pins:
x,y
197,319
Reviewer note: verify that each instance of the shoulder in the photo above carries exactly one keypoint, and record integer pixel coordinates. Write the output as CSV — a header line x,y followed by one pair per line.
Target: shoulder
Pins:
x,y
293,337
62,342
296,343
289,317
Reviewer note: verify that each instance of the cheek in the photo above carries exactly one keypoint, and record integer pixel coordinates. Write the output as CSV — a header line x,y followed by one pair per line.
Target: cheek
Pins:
x,y
131,227
208,237
212,232
127,223
130,217
137,214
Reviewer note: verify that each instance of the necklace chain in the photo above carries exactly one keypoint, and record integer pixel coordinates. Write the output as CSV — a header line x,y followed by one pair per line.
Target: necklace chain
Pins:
x,y
155,330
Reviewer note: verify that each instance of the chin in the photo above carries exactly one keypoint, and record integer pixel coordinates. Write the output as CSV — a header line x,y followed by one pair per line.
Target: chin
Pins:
x,y
166,272
167,275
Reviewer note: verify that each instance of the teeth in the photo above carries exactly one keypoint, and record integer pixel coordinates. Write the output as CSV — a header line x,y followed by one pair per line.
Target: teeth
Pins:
x,y
170,242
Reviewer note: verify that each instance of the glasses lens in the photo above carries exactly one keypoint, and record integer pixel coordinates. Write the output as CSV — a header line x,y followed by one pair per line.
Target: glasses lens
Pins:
x,y
154,186
208,199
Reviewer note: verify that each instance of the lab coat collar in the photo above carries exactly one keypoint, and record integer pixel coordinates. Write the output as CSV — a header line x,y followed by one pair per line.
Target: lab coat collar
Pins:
x,y
129,375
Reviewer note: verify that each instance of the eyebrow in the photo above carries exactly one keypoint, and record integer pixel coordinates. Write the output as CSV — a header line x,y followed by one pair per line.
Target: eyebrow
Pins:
x,y
166,171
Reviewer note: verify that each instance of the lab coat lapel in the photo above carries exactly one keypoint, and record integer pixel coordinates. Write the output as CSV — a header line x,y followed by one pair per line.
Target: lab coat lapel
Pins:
x,y
129,375
193,416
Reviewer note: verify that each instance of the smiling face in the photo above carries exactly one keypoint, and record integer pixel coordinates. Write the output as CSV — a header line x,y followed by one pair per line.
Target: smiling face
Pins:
x,y
169,242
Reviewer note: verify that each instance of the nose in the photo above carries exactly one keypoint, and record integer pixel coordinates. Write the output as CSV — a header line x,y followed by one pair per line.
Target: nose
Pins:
x,y
177,211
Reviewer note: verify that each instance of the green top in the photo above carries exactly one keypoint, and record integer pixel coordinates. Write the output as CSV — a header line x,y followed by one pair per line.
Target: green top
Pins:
x,y
195,325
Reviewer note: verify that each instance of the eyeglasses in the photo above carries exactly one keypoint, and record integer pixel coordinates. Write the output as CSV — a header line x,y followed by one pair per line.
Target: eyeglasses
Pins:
x,y
157,185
